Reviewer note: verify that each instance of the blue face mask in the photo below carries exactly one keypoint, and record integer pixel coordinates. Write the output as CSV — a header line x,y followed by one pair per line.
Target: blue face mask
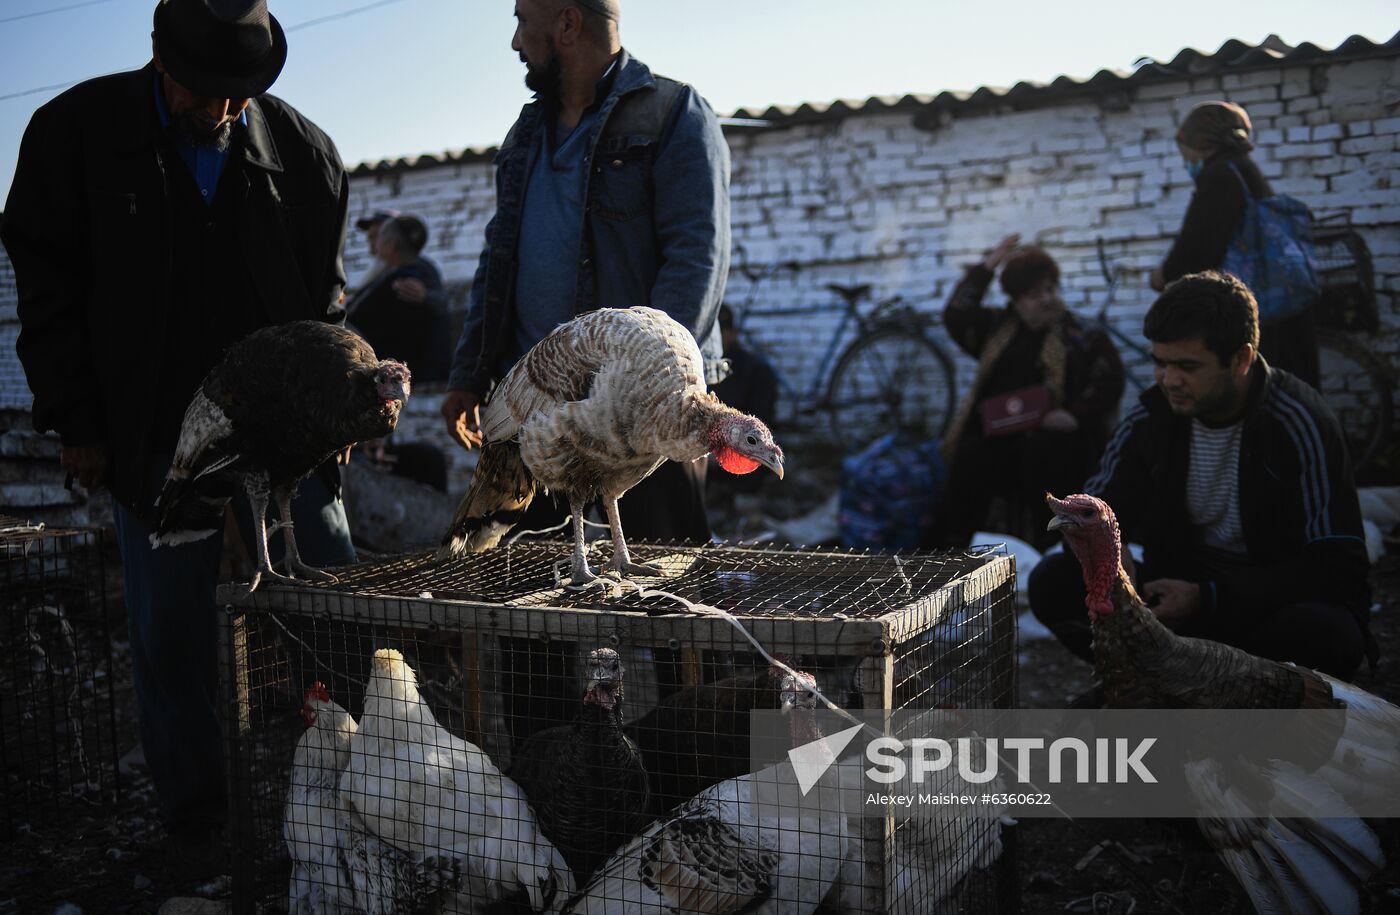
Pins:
x,y
1194,168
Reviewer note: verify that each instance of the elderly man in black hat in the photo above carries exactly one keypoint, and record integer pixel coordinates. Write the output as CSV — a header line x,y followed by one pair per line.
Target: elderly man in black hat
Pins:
x,y
157,216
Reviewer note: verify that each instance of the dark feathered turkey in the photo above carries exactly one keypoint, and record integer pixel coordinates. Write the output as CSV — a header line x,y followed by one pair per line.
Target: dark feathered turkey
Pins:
x,y
1294,861
699,736
281,402
586,780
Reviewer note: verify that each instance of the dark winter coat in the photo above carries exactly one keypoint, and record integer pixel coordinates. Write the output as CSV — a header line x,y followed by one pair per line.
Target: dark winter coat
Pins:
x,y
1297,500
90,226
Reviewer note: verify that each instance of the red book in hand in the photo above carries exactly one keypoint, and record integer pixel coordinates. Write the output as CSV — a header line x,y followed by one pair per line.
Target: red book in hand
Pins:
x,y
1020,410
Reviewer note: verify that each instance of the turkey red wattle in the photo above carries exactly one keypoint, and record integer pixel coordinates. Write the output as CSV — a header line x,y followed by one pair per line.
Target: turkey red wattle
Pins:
x,y
733,461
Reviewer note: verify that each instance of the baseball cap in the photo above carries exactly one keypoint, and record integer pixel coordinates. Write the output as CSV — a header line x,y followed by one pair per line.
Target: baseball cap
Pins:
x,y
375,218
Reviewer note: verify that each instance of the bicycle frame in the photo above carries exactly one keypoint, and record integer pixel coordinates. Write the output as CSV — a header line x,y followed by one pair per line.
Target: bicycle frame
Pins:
x,y
1114,277
809,400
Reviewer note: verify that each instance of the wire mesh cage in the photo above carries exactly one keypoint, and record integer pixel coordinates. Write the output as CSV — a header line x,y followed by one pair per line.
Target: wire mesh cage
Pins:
x,y
57,718
473,733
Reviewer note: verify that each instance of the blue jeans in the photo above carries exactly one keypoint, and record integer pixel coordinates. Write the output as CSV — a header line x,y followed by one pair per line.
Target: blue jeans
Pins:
x,y
173,625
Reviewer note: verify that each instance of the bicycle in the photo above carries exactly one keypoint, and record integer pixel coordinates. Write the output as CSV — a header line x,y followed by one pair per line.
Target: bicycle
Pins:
x,y
1355,383
892,377
1113,274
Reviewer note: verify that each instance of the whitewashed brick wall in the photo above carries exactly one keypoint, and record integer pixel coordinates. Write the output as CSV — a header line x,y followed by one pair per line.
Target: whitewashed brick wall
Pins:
x,y
871,198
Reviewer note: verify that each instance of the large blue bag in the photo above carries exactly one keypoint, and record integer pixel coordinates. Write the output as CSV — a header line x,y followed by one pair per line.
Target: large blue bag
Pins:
x,y
1272,254
890,493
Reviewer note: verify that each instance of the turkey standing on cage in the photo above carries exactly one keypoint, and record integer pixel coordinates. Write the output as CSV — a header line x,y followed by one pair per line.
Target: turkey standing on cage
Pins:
x,y
281,402
431,793
586,780
337,866
723,852
1294,863
589,412
699,735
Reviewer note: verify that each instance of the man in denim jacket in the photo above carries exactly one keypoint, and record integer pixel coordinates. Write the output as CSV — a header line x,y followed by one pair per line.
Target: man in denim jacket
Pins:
x,y
612,190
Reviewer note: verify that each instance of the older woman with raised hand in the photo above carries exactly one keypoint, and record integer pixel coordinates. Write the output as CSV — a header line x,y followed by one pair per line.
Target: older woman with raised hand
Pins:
x,y
1045,394
1214,140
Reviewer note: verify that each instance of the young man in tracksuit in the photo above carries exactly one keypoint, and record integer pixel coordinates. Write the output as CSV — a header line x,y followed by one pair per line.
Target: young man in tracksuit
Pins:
x,y
1235,479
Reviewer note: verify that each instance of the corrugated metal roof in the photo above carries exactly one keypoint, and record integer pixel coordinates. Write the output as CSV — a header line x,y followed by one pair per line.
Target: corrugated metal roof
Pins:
x,y
1232,56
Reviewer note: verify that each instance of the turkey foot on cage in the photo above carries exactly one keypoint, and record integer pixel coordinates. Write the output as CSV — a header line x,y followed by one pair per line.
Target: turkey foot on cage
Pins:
x,y
621,561
581,577
292,562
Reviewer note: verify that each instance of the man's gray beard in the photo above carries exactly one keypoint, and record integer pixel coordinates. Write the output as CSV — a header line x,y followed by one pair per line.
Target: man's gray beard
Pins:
x,y
372,273
186,132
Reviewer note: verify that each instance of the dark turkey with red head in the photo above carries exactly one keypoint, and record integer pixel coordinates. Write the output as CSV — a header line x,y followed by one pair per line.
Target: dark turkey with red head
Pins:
x,y
1300,862
281,402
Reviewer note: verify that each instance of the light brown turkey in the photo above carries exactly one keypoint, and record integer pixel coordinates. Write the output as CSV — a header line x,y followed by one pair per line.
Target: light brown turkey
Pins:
x,y
590,412
1297,863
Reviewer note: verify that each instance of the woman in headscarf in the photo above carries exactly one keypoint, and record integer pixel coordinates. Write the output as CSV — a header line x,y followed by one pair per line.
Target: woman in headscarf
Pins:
x,y
1214,139
1046,392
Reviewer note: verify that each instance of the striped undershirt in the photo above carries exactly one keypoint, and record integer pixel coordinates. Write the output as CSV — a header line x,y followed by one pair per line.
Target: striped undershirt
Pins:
x,y
1212,486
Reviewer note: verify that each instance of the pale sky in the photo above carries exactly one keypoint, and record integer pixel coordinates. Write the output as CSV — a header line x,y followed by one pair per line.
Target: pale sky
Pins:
x,y
402,77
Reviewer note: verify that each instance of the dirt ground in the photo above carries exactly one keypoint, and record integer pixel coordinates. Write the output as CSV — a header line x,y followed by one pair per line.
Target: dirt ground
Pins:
x,y
110,858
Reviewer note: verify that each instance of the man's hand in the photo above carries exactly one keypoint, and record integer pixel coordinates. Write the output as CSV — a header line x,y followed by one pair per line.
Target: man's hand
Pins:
x,y
998,255
86,463
342,457
1157,280
462,411
410,289
1058,420
1176,600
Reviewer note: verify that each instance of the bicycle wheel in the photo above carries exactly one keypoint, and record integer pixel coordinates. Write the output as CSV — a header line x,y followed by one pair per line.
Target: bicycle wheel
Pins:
x,y
892,379
1357,388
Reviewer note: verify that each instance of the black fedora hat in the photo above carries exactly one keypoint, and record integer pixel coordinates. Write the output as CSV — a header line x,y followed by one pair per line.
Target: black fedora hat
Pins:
x,y
220,48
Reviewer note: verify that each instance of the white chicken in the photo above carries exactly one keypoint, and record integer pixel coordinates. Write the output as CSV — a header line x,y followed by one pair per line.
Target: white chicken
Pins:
x,y
721,852
590,412
336,866
431,793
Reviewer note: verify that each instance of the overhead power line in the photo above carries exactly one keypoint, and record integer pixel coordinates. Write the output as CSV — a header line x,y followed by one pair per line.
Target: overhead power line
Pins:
x,y
57,9
343,14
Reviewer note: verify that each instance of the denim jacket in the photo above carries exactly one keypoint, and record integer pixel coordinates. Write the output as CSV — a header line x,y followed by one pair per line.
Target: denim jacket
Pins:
x,y
655,224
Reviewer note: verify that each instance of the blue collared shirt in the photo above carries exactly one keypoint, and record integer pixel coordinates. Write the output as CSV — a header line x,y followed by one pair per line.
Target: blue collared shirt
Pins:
x,y
547,272
206,164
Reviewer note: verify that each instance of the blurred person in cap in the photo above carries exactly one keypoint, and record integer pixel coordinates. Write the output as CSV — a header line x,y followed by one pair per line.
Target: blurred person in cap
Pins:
x,y
1214,141
401,309
612,191
1041,404
157,216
